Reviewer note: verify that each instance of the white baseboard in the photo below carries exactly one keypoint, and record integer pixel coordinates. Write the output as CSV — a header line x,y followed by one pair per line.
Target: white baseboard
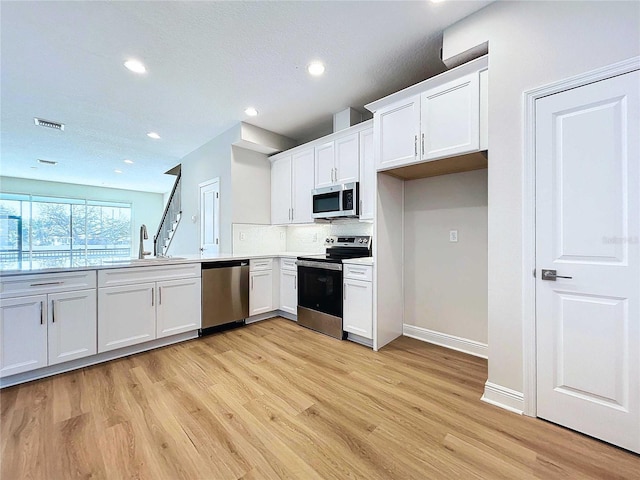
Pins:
x,y
503,397
260,317
367,342
445,340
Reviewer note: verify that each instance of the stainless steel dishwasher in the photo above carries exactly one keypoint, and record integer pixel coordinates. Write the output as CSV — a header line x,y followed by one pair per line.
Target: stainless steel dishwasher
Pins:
x,y
225,292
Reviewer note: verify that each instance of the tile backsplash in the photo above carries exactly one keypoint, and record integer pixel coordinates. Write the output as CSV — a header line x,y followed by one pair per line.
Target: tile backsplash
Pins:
x,y
294,238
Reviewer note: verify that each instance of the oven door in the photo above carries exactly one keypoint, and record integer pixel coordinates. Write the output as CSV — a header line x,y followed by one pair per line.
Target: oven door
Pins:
x,y
320,287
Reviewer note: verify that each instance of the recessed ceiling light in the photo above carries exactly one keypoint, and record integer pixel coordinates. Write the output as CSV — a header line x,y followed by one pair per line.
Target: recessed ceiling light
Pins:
x,y
153,135
135,66
252,112
315,68
130,162
118,171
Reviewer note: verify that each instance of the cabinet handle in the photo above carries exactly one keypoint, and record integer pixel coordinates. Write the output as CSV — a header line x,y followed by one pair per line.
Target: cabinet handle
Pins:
x,y
159,295
152,296
415,145
53,311
251,283
45,283
423,144
360,211
41,313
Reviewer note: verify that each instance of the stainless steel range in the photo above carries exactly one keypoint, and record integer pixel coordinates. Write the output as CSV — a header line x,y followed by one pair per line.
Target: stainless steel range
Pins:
x,y
320,283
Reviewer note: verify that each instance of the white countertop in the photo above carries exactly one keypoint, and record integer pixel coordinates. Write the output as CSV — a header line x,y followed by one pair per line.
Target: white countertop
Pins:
x,y
134,262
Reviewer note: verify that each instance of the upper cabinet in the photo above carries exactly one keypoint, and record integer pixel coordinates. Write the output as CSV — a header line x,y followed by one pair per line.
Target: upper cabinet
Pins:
x,y
291,185
331,160
337,161
442,117
367,175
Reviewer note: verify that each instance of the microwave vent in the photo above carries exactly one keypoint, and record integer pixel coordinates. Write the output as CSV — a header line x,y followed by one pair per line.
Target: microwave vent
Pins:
x,y
48,124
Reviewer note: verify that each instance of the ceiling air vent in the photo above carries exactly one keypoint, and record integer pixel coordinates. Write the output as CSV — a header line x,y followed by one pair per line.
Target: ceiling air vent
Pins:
x,y
46,123
47,162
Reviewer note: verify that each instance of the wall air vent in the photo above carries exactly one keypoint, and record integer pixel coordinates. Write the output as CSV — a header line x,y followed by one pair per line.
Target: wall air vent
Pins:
x,y
47,162
46,123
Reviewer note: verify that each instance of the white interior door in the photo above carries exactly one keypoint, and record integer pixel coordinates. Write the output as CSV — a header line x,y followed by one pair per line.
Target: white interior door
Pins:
x,y
587,229
210,217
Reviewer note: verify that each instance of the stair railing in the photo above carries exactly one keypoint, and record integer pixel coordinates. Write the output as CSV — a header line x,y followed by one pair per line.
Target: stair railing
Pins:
x,y
170,219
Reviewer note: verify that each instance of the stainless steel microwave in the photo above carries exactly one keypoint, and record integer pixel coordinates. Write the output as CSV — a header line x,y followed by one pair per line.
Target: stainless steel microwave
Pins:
x,y
337,201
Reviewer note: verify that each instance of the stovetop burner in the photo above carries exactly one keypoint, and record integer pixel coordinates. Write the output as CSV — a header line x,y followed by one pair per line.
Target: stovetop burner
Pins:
x,y
339,248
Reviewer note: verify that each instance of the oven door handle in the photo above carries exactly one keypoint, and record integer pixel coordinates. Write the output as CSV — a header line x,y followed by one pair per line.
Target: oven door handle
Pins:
x,y
321,265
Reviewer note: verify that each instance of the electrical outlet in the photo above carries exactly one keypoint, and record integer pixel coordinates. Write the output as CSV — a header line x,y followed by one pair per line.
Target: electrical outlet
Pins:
x,y
453,235
315,237
283,236
242,236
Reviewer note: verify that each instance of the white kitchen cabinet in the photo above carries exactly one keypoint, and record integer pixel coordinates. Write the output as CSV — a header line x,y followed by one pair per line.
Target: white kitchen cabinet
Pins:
x,y
136,305
302,185
260,292
450,118
46,319
291,185
358,300
337,162
442,117
325,165
23,334
178,308
397,128
367,175
72,325
126,315
289,286
281,191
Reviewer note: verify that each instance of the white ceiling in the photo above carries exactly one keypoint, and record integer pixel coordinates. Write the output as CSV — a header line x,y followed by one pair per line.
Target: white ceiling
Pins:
x,y
207,61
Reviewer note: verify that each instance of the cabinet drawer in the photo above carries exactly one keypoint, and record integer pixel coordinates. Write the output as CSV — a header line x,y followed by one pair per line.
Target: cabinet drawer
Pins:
x,y
255,265
127,276
22,285
288,264
358,272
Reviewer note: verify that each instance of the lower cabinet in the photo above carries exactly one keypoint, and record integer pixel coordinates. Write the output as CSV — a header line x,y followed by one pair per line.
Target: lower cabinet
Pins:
x,y
44,321
260,286
358,301
126,316
289,285
136,305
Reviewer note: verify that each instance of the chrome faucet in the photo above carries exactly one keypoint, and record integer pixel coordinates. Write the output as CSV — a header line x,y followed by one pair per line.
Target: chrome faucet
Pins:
x,y
143,236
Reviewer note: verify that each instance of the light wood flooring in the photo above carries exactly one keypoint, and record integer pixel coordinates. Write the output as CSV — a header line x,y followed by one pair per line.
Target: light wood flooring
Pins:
x,y
273,400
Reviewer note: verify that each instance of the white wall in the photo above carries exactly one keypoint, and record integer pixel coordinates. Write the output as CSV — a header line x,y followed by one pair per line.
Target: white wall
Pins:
x,y
211,160
146,207
530,44
251,184
446,283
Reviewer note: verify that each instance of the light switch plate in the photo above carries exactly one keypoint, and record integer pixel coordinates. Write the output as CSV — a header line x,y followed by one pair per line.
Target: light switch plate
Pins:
x,y
242,236
453,235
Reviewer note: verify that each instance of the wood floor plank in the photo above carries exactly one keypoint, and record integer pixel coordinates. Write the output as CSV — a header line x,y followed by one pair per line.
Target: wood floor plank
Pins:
x,y
273,400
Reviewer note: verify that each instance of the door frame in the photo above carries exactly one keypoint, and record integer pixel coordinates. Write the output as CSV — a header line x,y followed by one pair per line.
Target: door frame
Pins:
x,y
217,213
529,212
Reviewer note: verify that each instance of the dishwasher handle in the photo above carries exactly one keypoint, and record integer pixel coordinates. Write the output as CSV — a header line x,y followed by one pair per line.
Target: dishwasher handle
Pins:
x,y
224,264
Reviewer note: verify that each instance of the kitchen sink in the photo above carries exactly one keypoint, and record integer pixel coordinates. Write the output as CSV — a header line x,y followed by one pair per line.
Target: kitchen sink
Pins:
x,y
142,261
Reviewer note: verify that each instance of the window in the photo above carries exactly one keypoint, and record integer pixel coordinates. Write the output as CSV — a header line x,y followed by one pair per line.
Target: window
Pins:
x,y
47,232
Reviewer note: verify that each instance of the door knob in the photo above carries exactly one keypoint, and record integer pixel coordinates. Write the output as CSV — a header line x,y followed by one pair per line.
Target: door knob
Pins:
x,y
551,275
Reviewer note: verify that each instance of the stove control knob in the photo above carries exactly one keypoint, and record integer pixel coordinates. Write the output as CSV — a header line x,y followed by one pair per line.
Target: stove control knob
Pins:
x,y
327,240
332,240
361,240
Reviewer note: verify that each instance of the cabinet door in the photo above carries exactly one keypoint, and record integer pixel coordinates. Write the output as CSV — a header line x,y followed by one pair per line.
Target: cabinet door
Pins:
x,y
367,175
324,165
289,291
347,162
260,292
451,118
358,308
178,307
23,334
396,133
73,327
281,191
302,166
126,316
